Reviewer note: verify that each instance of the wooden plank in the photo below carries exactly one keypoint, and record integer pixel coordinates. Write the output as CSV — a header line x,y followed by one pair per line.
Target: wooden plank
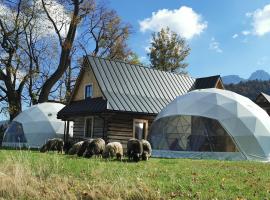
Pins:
x,y
120,133
119,137
119,129
121,125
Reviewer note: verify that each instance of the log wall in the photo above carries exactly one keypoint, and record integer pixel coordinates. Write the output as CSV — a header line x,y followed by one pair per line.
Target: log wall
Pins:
x,y
120,127
78,127
116,127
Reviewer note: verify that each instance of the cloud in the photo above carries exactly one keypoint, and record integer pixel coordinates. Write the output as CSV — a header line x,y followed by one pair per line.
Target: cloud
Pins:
x,y
184,21
260,20
245,32
214,45
235,36
262,61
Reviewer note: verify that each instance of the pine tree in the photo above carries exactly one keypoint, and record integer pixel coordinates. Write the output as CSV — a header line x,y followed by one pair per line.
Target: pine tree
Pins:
x,y
168,51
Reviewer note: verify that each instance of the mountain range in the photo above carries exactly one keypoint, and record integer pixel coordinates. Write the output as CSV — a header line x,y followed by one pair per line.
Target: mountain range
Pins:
x,y
260,75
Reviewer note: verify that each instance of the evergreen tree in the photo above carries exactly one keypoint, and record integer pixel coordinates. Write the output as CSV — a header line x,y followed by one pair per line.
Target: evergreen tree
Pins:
x,y
168,51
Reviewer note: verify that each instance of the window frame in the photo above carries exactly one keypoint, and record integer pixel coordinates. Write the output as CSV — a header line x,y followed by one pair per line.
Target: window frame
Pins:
x,y
146,127
88,84
92,126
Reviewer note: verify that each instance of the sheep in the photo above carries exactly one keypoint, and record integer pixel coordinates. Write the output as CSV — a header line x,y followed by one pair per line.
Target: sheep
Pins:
x,y
75,148
96,147
83,147
55,144
113,149
147,150
134,149
68,145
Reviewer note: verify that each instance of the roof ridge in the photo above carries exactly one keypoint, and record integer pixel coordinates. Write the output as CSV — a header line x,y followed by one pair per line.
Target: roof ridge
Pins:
x,y
142,66
209,76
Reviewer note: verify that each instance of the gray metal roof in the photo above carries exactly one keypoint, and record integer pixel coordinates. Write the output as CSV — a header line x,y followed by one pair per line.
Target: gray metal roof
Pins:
x,y
207,82
266,96
263,97
83,107
135,88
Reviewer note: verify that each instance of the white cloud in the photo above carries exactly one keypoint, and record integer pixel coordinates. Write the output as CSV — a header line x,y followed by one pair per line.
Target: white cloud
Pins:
x,y
262,61
184,21
260,20
235,36
245,32
214,45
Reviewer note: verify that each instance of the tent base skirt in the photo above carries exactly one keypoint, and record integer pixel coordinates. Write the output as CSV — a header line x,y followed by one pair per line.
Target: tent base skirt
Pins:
x,y
199,155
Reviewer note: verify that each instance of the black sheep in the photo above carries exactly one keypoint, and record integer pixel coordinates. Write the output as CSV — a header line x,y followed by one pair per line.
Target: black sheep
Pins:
x,y
96,147
68,145
55,144
83,147
134,149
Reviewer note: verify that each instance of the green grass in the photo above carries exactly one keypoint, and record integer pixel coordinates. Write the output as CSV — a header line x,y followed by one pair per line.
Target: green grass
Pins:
x,y
53,176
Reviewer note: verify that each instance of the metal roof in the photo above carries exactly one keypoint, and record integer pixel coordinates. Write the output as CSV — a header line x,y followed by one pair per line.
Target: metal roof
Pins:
x,y
266,96
135,88
83,107
207,82
263,97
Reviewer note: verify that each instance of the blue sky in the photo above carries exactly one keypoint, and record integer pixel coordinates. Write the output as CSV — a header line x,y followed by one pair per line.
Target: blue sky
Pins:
x,y
230,36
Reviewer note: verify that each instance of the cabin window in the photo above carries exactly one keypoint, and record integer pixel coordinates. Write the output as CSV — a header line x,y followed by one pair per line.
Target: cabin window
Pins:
x,y
88,91
88,127
140,128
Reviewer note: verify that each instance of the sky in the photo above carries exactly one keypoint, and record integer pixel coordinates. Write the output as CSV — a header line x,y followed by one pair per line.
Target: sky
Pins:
x,y
226,36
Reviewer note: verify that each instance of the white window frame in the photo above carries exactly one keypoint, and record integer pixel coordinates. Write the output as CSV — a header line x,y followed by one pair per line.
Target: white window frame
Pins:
x,y
146,127
92,126
92,90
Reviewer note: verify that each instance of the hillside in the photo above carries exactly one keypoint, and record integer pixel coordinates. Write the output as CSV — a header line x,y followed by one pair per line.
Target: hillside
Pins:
x,y
250,89
32,175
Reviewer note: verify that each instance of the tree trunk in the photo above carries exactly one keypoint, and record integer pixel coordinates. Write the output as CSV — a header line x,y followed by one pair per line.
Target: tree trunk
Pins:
x,y
15,106
64,57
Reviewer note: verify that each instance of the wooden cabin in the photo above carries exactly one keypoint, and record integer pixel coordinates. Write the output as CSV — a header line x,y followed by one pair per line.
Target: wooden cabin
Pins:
x,y
118,101
263,100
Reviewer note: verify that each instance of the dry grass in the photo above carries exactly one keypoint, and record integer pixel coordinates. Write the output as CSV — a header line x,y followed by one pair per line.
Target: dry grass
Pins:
x,y
19,179
33,175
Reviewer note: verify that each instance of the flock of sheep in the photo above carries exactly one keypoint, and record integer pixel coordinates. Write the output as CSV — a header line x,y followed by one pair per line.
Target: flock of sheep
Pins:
x,y
136,149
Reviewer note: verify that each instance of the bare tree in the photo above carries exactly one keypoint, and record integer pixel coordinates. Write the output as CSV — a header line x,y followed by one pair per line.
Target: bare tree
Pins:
x,y
13,74
38,48
78,11
106,35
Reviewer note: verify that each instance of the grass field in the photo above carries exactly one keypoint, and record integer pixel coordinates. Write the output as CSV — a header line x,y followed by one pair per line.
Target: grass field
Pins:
x,y
33,175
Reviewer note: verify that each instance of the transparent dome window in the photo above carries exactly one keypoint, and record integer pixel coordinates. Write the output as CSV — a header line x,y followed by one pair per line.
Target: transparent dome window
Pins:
x,y
15,133
190,133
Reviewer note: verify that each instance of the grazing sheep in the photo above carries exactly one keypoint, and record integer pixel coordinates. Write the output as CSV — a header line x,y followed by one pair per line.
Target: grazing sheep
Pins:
x,y
68,145
134,149
75,148
96,147
55,144
83,147
147,150
113,149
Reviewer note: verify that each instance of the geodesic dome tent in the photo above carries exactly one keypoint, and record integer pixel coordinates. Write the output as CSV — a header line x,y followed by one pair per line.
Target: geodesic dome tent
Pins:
x,y
212,123
34,126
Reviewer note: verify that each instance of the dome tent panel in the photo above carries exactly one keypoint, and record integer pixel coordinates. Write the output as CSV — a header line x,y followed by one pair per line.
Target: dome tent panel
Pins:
x,y
201,134
240,122
15,133
39,123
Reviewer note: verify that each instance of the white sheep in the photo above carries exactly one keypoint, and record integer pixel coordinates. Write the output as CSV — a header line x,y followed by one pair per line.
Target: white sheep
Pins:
x,y
147,150
113,149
